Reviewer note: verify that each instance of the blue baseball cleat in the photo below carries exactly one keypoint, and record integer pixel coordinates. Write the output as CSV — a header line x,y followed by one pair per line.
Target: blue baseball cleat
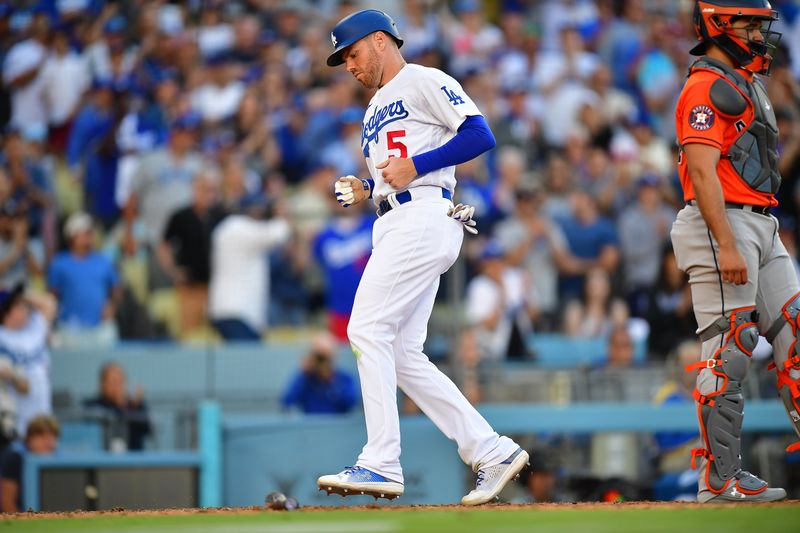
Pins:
x,y
492,479
358,480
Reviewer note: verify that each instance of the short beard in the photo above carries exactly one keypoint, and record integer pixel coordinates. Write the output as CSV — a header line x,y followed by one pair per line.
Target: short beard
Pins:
x,y
372,71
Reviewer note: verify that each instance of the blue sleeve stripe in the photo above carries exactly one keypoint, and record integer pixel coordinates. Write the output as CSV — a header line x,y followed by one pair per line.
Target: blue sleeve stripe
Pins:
x,y
472,139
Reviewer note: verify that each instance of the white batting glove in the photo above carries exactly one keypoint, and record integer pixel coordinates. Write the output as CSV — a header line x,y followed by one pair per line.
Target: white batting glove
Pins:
x,y
350,190
463,213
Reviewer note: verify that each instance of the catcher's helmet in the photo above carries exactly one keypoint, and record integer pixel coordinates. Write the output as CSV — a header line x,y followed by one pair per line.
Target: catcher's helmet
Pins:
x,y
712,22
357,26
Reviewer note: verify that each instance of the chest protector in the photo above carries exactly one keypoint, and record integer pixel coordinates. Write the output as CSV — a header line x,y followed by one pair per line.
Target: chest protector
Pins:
x,y
754,153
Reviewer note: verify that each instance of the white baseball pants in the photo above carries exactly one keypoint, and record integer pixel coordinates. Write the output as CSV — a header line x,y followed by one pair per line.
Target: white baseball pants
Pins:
x,y
413,245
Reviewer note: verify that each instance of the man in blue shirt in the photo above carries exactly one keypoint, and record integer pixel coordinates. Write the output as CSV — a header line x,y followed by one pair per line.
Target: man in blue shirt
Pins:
x,y
342,250
84,281
592,241
319,388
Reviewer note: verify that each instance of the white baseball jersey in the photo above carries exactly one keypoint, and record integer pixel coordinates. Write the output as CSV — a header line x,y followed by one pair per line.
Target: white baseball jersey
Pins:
x,y
27,348
419,110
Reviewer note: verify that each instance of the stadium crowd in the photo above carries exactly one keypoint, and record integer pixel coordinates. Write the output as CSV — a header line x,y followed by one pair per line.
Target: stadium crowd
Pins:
x,y
166,171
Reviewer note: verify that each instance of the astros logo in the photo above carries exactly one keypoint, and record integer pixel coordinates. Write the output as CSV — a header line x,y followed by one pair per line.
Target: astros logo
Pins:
x,y
701,117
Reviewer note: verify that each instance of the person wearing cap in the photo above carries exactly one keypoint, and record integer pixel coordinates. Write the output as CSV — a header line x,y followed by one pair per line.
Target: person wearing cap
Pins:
x,y
25,323
41,438
162,181
538,247
498,306
85,282
94,120
319,387
643,231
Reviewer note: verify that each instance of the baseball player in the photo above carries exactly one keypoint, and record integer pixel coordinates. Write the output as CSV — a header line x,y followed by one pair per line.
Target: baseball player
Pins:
x,y
418,126
743,282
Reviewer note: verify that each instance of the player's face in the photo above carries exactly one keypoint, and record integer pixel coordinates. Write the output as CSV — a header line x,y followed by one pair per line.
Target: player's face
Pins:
x,y
362,61
748,29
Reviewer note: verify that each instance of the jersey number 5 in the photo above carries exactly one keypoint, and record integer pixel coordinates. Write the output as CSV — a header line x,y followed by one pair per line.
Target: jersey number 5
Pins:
x,y
394,144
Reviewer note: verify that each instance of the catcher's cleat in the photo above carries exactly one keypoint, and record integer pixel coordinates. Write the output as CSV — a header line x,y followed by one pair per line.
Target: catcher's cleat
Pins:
x,y
358,480
743,487
492,479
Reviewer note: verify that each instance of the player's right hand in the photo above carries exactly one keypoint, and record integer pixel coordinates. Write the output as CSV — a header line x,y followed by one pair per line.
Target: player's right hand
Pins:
x,y
350,190
732,265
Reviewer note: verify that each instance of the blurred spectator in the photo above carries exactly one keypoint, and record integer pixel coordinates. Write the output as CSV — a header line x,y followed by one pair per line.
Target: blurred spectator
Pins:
x,y
342,250
419,28
537,246
63,99
22,69
592,240
498,306
470,38
620,348
185,251
677,481
591,316
162,182
657,76
540,479
621,43
218,98
669,310
29,193
94,120
319,387
86,285
616,106
108,55
239,290
124,417
17,260
560,77
41,438
12,382
25,322
643,230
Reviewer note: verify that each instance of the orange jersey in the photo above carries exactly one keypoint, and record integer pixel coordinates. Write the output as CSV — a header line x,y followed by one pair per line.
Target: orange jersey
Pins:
x,y
697,120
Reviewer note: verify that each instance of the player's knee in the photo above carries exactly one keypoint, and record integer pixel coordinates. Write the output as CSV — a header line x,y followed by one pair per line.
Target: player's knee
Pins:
x,y
737,352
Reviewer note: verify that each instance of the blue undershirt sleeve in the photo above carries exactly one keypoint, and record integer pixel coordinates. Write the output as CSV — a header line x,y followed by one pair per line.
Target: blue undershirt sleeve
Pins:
x,y
472,139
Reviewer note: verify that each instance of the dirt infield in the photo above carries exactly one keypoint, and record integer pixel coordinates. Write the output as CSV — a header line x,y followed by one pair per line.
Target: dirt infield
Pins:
x,y
31,515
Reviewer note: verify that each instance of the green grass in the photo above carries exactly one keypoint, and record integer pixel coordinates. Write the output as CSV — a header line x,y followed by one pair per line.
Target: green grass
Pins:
x,y
580,519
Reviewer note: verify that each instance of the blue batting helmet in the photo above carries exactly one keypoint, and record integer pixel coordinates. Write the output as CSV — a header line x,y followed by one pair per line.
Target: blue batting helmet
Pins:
x,y
357,26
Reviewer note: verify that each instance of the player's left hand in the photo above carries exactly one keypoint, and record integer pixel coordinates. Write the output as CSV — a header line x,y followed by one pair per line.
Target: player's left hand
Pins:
x,y
398,172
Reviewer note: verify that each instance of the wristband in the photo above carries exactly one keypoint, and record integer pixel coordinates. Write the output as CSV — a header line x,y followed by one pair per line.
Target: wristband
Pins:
x,y
368,184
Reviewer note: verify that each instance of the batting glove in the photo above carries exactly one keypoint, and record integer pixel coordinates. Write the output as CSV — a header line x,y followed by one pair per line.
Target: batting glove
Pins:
x,y
463,213
350,190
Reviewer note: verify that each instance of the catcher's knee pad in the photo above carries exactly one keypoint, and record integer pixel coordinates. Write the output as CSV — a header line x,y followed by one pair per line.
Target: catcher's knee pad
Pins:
x,y
721,411
788,387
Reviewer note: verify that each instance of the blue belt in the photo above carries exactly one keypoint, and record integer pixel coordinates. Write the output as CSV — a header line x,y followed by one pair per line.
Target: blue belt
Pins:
x,y
403,197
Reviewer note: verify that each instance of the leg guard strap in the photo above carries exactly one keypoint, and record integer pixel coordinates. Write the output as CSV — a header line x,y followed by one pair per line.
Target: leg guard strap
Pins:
x,y
790,314
789,393
721,412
